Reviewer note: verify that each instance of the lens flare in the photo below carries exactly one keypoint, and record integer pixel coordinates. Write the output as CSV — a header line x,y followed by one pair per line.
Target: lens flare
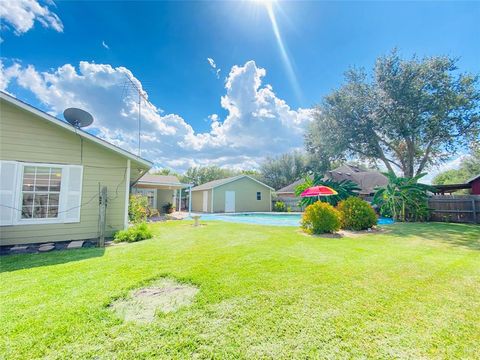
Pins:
x,y
283,50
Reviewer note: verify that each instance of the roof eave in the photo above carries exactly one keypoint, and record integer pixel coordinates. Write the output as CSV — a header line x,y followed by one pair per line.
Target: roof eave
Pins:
x,y
58,122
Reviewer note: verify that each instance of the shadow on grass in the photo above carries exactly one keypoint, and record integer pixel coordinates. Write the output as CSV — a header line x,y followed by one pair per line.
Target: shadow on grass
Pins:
x,y
463,235
28,261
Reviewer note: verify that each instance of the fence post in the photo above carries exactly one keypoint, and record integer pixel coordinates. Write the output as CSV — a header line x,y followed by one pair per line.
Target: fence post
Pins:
x,y
103,213
474,211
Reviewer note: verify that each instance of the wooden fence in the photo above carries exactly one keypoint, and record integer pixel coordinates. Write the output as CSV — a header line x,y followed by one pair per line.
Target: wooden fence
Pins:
x,y
455,208
291,202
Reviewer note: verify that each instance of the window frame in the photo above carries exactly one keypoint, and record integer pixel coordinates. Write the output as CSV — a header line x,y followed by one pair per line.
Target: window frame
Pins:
x,y
259,196
60,219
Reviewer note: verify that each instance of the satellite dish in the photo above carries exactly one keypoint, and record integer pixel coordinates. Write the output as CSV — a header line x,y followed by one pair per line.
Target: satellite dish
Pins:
x,y
78,117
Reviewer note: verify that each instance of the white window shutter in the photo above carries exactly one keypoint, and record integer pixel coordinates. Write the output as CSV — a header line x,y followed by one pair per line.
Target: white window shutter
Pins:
x,y
8,193
72,180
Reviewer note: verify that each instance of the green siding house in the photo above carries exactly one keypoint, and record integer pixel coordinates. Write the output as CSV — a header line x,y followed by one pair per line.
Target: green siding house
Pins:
x,y
51,174
240,193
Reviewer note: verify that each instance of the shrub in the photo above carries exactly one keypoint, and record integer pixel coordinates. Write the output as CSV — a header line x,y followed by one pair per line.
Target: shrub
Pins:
x,y
320,218
135,233
356,214
137,208
279,206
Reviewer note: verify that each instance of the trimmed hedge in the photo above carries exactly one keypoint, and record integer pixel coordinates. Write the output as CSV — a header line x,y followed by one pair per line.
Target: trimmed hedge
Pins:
x,y
320,218
356,214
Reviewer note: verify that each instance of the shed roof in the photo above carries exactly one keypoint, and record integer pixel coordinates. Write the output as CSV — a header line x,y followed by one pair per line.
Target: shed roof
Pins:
x,y
473,178
216,183
23,105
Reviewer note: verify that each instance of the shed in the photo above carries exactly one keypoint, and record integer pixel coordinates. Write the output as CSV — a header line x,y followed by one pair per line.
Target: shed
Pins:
x,y
50,176
240,193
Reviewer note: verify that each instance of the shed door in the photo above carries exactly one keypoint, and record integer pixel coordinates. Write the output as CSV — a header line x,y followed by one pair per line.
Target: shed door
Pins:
x,y
229,201
205,201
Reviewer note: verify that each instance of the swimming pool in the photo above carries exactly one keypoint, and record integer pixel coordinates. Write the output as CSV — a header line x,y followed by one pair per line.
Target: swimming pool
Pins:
x,y
272,219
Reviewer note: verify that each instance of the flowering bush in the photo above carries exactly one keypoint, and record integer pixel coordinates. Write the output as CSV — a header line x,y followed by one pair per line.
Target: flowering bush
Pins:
x,y
137,208
356,214
320,218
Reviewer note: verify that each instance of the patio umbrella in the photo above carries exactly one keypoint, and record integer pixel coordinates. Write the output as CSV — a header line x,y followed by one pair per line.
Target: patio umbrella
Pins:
x,y
318,191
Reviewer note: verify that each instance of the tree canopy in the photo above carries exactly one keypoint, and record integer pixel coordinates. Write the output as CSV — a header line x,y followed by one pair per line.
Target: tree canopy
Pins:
x,y
282,170
408,115
469,167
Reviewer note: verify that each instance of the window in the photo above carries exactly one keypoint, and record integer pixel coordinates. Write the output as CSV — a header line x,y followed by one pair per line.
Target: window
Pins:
x,y
150,194
259,195
34,193
41,192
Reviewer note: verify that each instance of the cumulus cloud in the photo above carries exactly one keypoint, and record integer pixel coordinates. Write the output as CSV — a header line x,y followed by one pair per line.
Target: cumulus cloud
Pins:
x,y
20,15
213,65
257,124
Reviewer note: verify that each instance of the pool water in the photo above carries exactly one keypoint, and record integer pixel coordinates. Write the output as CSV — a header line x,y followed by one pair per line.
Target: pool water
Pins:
x,y
272,219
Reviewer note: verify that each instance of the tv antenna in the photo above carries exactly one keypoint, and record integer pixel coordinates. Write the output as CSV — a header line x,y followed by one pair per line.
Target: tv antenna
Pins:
x,y
141,95
77,117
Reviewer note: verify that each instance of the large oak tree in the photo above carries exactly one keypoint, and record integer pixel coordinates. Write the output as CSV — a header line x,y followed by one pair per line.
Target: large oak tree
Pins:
x,y
409,114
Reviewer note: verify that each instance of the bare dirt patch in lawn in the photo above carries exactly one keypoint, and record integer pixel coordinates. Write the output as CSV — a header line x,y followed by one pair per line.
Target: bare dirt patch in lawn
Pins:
x,y
164,295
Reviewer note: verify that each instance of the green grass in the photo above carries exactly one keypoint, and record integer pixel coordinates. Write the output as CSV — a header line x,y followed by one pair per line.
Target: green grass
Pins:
x,y
265,292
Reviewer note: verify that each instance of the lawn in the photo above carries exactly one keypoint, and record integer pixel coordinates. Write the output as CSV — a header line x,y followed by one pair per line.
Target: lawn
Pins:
x,y
265,292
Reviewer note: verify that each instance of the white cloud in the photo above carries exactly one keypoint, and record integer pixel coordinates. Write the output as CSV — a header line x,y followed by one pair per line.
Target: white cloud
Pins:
x,y
213,65
20,15
105,45
258,123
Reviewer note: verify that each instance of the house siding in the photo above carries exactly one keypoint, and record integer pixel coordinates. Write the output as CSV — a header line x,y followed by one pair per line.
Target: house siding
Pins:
x,y
28,138
197,200
163,198
245,196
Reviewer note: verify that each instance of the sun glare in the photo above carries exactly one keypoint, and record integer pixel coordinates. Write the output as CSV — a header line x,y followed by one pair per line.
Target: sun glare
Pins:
x,y
270,7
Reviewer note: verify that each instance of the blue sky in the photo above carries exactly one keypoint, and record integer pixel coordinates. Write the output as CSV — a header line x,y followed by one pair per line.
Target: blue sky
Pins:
x,y
165,46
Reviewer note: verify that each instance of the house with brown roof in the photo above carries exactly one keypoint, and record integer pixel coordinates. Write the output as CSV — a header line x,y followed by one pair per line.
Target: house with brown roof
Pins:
x,y
367,181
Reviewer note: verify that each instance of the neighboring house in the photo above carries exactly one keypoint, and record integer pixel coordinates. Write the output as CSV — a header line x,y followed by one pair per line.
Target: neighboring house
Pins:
x,y
240,193
161,190
289,190
51,174
367,181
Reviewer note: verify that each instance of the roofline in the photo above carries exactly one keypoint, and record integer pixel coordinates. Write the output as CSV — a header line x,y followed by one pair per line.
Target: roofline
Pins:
x,y
235,178
473,178
23,105
162,183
